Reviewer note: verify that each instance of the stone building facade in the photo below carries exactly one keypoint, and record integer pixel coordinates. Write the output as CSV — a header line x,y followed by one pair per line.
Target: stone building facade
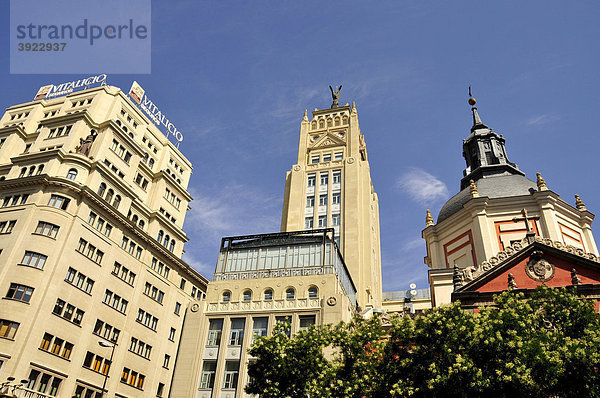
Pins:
x,y
93,289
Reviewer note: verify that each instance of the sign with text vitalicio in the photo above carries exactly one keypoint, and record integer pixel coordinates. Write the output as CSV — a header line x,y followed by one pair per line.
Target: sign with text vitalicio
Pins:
x,y
138,95
56,90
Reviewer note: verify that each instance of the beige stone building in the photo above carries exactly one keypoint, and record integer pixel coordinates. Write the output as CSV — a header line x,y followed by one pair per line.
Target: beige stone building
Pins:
x,y
323,267
92,202
330,186
495,208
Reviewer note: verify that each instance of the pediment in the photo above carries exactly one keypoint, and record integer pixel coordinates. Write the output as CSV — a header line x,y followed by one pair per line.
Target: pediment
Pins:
x,y
528,264
326,141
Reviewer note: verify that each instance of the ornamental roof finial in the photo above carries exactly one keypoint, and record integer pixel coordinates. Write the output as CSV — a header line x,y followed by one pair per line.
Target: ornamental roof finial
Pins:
x,y
477,123
473,189
579,203
428,219
305,118
541,183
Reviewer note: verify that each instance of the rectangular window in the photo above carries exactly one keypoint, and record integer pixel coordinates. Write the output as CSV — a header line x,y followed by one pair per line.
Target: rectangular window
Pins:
x,y
338,156
60,202
336,198
337,176
327,158
207,377
140,348
79,280
123,273
306,321
115,301
322,200
215,328
47,229
172,334
335,219
324,178
8,329
56,346
68,311
236,335
6,227
97,364
33,259
312,178
177,308
315,159
147,319
322,221
310,201
230,378
259,327
308,222
19,292
106,331
166,361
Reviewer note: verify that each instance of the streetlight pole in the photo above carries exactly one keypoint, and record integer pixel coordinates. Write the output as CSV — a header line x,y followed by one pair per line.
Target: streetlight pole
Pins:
x,y
105,344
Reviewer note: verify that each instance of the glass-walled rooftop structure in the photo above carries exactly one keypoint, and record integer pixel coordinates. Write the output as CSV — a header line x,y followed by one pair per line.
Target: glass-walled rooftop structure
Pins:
x,y
300,253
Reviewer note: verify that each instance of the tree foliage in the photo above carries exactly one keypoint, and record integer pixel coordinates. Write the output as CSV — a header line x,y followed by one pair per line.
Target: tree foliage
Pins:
x,y
545,345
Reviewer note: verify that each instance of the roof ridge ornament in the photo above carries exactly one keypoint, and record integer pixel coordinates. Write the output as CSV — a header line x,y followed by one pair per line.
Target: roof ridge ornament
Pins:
x,y
473,189
477,123
428,219
541,183
579,203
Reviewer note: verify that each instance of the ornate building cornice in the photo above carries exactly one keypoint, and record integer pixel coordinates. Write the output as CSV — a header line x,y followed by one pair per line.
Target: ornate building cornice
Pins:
x,y
469,274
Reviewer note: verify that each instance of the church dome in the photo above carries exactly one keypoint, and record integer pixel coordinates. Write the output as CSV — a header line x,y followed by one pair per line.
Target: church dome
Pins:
x,y
498,186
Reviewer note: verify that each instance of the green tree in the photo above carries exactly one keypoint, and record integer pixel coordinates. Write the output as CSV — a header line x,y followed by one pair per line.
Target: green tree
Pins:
x,y
543,345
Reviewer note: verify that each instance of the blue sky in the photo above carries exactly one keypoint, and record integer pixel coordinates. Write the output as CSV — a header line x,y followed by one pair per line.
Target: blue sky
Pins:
x,y
236,76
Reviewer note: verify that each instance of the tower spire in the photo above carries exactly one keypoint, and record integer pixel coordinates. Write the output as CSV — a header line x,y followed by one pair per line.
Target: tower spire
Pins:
x,y
477,123
484,151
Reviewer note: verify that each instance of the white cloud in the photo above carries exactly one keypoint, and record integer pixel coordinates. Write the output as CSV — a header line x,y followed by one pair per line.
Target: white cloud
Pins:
x,y
542,119
233,209
422,187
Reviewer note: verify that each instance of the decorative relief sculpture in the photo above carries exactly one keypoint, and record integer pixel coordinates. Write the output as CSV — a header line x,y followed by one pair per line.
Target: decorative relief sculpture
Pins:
x,y
538,268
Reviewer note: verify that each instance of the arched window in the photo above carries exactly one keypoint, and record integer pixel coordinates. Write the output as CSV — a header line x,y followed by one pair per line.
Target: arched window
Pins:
x,y
247,295
172,245
290,293
40,169
118,122
142,224
134,218
117,202
313,292
102,189
72,174
329,122
321,123
166,241
31,170
268,295
2,178
23,172
151,163
109,195
160,236
313,125
226,296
